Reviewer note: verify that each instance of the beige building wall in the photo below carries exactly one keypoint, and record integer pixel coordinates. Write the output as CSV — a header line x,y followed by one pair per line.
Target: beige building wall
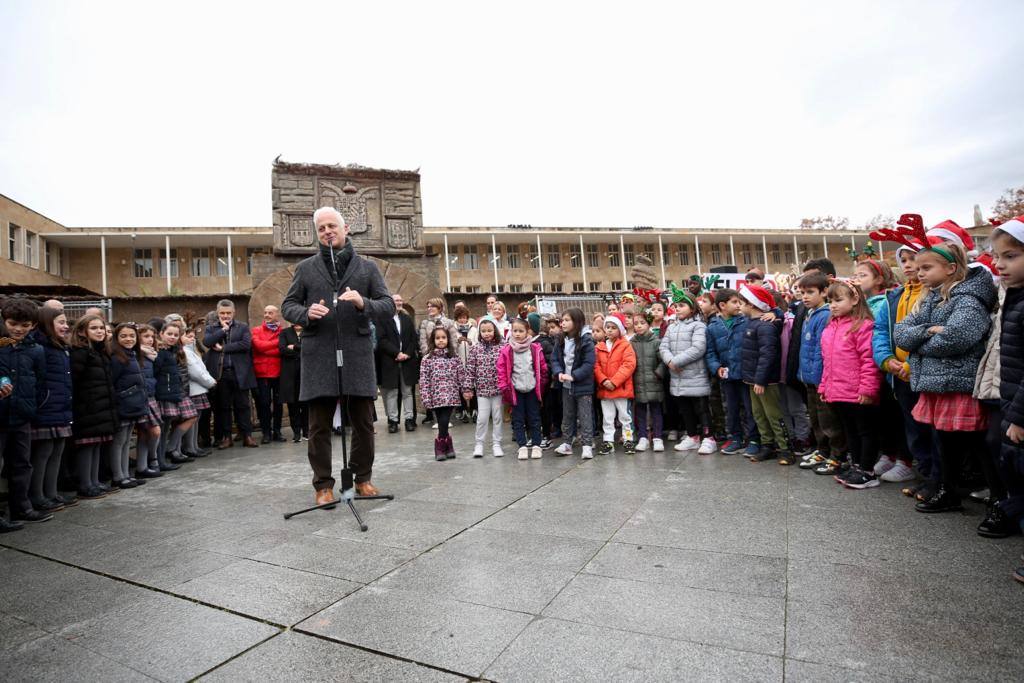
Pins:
x,y
123,282
24,255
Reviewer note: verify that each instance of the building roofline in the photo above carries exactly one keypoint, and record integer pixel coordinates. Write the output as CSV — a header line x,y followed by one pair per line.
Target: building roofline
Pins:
x,y
28,208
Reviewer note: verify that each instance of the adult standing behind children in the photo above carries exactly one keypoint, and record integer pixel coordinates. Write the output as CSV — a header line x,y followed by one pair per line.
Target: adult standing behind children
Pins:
x,y
266,364
399,366
229,360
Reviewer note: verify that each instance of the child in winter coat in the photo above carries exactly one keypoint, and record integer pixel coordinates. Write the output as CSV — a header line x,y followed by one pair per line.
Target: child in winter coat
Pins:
x,y
148,432
51,425
522,375
682,349
551,411
945,337
481,381
93,403
132,403
171,369
200,382
613,373
762,372
648,389
850,381
724,358
572,364
441,375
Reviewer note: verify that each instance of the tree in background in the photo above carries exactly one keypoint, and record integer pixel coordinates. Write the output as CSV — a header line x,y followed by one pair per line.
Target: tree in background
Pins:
x,y
825,223
879,222
1010,205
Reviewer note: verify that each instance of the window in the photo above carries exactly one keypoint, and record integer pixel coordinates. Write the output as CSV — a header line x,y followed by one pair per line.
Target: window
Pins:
x,y
630,255
716,254
535,287
776,254
143,262
174,263
221,256
578,287
512,256
515,289
684,254
534,256
52,258
501,289
200,263
595,286
12,241
30,249
650,251
616,285
250,253
556,287
454,262
456,289
472,289
554,258
789,254
593,257
613,256
575,256
471,257
745,254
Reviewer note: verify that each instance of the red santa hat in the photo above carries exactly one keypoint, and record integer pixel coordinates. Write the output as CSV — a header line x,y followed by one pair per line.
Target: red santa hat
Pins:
x,y
949,231
986,262
757,296
1014,228
618,320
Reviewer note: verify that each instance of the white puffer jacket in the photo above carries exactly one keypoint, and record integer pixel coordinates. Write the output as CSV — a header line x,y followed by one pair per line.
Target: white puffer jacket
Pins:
x,y
683,345
200,380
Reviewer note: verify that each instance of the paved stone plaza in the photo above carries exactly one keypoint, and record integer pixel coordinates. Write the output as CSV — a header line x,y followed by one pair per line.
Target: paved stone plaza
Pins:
x,y
653,567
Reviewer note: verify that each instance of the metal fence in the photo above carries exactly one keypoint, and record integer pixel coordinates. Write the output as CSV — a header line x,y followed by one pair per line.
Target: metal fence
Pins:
x,y
588,303
75,309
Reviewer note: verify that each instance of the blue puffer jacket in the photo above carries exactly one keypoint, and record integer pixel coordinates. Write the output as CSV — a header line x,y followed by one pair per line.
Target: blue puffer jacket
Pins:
x,y
146,365
883,307
582,365
725,346
24,364
762,351
55,408
811,362
129,386
168,376
948,362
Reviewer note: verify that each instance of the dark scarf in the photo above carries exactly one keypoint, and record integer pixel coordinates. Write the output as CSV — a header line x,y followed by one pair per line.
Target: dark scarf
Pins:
x,y
341,259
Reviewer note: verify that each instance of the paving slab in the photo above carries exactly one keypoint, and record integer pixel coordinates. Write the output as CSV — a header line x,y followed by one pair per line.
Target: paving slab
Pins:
x,y
14,632
55,659
341,558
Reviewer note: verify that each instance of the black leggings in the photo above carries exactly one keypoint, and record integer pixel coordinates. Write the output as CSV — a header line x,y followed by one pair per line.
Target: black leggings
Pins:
x,y
443,416
955,447
859,423
695,415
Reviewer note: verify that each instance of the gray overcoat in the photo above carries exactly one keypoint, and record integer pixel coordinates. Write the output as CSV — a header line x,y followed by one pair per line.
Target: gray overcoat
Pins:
x,y
313,282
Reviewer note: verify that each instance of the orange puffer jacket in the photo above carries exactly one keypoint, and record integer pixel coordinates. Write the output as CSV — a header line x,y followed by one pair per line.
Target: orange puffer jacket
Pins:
x,y
616,364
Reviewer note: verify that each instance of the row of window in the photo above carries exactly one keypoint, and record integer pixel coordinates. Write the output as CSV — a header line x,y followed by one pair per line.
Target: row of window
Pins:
x,y
468,257
552,287
202,261
23,246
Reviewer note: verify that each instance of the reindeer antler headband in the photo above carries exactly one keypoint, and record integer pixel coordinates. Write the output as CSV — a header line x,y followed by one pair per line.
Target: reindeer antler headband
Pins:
x,y
910,232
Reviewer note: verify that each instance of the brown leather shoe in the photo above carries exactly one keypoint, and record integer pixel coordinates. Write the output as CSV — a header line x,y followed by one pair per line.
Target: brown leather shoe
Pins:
x,y
250,442
324,496
225,443
365,488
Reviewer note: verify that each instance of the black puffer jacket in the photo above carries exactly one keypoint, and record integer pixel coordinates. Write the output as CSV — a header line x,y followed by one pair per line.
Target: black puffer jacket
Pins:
x,y
1011,370
762,352
168,376
93,402
129,385
55,409
948,362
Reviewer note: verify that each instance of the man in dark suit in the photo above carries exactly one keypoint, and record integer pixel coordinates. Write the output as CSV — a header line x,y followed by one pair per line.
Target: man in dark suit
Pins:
x,y
399,366
230,360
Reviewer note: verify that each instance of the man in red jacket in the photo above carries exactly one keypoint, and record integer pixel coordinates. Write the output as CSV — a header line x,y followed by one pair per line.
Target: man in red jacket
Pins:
x,y
266,362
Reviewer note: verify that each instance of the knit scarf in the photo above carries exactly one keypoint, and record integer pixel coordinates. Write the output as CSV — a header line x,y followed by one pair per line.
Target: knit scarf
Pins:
x,y
272,326
337,264
519,347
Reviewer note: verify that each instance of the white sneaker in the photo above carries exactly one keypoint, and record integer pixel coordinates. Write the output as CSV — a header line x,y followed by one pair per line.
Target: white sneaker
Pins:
x,y
478,450
564,448
524,453
898,472
433,426
536,453
641,444
687,444
883,465
673,435
588,453
707,446
658,446
498,453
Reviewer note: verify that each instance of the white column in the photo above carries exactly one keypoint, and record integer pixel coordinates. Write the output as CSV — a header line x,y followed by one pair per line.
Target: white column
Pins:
x,y
661,260
853,243
796,253
732,250
764,248
881,251
167,253
540,263
103,264
447,266
622,259
824,244
583,264
231,269
494,261
696,250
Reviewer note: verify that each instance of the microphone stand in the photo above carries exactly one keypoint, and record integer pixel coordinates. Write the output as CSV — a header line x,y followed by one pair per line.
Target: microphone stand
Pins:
x,y
348,495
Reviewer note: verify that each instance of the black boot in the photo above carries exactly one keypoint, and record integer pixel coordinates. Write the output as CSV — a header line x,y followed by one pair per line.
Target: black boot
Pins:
x,y
944,500
7,527
392,427
997,524
410,425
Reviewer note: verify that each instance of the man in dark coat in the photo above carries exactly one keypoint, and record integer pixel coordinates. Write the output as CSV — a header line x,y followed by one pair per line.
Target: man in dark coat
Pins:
x,y
398,344
334,295
229,360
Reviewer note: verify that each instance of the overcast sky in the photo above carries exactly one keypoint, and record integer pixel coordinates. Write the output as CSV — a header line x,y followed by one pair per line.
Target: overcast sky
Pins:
x,y
548,113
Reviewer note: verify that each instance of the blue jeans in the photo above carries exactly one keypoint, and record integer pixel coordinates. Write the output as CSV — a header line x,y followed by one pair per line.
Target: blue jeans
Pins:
x,y
526,414
739,416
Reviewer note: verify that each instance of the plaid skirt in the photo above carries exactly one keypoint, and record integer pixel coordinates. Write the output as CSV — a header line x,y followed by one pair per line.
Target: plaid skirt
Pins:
x,y
951,412
61,432
201,402
153,417
178,412
91,440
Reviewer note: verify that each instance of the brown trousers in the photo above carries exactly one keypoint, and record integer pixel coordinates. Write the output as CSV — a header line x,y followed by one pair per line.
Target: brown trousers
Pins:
x,y
359,416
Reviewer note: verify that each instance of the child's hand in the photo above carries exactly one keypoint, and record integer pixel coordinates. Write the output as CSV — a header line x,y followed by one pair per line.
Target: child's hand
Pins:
x,y
865,400
759,389
673,367
904,373
6,390
722,372
894,366
563,377
608,384
935,329
1015,433
768,317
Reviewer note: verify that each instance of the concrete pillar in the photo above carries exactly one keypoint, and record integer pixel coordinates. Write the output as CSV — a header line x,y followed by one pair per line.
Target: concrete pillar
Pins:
x,y
732,250
103,264
622,260
583,264
167,253
540,262
231,269
824,244
796,253
696,249
661,260
447,266
494,261
764,248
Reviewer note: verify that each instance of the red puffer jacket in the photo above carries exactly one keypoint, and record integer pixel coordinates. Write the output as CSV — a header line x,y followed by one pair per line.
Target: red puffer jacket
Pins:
x,y
266,355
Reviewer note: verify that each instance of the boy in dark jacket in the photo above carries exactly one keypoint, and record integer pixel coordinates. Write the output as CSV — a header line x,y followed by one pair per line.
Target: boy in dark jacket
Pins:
x,y
551,409
724,359
761,368
22,387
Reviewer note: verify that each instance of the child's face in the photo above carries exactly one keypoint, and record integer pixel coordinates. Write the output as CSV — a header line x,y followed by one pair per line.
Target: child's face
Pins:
x,y
18,328
441,340
865,277
611,331
170,335
96,331
683,310
932,269
613,308
109,329
731,308
640,325
658,311
908,264
487,333
520,333
567,325
842,304
597,333
146,338
189,337
462,319
60,326
627,307
812,297
597,322
553,328
126,338
751,311
706,306
1009,259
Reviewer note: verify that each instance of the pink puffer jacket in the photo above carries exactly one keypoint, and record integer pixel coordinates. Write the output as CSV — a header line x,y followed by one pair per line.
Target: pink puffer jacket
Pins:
x,y
849,369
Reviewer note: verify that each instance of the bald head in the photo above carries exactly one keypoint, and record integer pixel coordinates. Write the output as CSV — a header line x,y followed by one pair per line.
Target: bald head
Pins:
x,y
54,304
